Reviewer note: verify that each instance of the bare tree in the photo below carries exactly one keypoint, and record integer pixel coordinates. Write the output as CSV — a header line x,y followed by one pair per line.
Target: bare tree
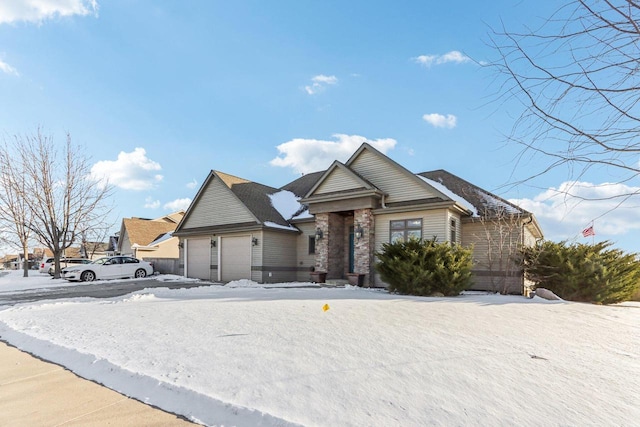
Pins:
x,y
62,200
502,234
14,211
578,79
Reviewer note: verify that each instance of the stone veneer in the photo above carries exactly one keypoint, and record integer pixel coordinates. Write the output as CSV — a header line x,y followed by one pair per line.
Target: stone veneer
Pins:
x,y
363,257
332,249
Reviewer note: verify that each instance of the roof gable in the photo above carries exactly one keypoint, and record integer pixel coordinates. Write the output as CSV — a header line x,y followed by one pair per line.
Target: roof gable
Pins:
x,y
215,204
339,178
398,183
226,200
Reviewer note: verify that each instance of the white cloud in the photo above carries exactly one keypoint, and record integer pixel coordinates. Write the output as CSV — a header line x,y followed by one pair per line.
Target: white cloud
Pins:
x,y
178,205
39,10
319,83
565,211
8,69
453,56
193,184
149,203
438,120
312,155
132,171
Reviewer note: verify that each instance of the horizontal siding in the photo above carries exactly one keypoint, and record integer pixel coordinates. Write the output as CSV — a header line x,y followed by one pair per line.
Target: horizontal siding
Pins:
x,y
279,252
217,206
389,178
433,224
338,180
304,260
490,255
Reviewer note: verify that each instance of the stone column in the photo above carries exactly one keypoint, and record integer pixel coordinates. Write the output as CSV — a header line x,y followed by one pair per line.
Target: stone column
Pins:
x,y
322,245
364,246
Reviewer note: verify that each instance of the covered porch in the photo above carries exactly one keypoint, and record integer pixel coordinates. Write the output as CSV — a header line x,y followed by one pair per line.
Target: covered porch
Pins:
x,y
345,245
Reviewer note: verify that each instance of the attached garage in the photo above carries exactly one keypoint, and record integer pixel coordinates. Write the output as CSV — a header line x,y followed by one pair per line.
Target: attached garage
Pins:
x,y
235,258
198,258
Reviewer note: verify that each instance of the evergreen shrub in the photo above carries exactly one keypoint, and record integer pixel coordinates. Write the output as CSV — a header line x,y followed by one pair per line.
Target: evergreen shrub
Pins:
x,y
583,272
424,267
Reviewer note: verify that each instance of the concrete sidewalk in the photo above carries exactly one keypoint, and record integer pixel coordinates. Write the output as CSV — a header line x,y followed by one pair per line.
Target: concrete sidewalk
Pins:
x,y
38,393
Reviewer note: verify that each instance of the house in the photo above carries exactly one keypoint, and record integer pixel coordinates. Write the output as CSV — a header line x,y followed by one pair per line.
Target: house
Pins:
x,y
150,238
332,222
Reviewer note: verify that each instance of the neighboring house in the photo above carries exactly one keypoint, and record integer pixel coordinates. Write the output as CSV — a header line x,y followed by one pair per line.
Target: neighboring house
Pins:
x,y
150,238
333,222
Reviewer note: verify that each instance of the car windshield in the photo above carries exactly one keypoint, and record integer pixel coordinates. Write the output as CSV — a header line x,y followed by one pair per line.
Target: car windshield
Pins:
x,y
100,261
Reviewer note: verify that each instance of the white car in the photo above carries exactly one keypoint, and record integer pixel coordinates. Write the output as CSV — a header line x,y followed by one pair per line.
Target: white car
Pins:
x,y
46,264
114,267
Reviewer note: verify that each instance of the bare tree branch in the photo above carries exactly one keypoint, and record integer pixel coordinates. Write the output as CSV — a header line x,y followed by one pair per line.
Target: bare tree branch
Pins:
x,y
63,203
577,78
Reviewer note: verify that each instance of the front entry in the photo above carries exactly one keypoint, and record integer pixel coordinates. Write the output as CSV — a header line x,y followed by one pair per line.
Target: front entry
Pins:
x,y
352,250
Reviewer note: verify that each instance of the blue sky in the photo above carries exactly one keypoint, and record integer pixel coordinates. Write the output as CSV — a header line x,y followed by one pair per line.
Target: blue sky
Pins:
x,y
158,93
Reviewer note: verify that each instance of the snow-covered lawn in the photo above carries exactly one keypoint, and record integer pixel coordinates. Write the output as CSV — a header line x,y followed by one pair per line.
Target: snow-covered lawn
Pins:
x,y
255,356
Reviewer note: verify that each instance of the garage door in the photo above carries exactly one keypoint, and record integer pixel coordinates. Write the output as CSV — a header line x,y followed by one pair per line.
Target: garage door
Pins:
x,y
199,258
235,258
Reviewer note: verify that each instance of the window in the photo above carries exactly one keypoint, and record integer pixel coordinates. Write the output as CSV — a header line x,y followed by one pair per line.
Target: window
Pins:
x,y
452,231
405,229
312,245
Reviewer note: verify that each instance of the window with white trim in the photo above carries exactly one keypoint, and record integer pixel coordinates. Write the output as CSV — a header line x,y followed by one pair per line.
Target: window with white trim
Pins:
x,y
452,231
405,229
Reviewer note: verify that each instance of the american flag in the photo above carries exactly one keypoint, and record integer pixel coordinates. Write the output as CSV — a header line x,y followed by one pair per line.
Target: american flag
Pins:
x,y
589,231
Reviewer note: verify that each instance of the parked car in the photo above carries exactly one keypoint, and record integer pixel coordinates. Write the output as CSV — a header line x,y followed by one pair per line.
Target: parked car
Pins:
x,y
46,264
113,267
67,262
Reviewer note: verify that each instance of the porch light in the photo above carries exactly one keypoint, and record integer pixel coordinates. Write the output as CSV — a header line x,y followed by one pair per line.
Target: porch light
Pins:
x,y
319,234
213,243
254,241
359,231
180,245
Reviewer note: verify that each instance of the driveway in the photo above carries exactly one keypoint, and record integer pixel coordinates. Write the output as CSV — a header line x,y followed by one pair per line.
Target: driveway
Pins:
x,y
100,289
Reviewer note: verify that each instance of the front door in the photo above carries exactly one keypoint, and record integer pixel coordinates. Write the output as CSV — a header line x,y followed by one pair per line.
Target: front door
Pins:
x,y
352,250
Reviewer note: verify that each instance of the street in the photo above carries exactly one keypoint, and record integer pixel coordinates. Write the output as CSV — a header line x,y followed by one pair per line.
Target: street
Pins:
x,y
101,289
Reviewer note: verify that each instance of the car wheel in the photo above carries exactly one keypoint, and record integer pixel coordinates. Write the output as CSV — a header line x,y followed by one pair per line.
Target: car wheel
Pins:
x,y
88,276
140,273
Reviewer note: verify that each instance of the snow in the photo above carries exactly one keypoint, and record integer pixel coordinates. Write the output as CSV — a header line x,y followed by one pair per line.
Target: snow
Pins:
x,y
286,203
279,226
450,194
495,203
164,237
249,355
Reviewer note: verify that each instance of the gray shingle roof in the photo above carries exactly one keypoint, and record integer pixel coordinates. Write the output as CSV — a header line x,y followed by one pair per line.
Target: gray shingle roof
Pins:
x,y
256,198
301,186
486,203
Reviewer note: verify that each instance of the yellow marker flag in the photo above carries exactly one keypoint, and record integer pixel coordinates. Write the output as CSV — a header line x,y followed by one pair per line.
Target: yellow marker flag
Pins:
x,y
325,307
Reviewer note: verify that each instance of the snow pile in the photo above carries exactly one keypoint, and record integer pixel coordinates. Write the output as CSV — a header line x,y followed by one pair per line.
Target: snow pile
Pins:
x,y
252,356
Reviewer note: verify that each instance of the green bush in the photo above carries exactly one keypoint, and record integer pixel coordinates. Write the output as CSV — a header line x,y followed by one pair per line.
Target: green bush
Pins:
x,y
424,267
583,272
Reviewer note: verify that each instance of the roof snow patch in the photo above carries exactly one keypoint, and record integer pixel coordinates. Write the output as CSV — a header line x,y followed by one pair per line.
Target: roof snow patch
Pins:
x,y
450,194
287,204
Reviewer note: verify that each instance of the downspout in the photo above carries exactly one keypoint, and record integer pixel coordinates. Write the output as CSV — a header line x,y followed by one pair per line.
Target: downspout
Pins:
x,y
524,224
384,206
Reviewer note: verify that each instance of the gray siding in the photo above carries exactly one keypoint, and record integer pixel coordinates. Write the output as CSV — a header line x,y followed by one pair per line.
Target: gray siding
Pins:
x,y
434,223
338,180
278,257
389,178
217,206
493,268
305,261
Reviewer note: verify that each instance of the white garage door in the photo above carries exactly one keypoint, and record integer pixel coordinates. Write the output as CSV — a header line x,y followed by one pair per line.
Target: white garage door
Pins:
x,y
199,258
235,258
